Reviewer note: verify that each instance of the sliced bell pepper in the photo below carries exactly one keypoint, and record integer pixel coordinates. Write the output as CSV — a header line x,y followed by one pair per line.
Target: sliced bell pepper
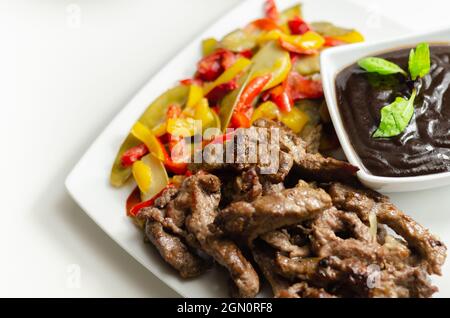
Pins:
x,y
291,13
351,37
134,211
171,165
142,175
184,127
191,81
195,95
267,110
303,88
280,95
212,66
145,135
251,91
308,43
265,24
219,92
240,65
205,114
271,10
271,59
209,46
150,118
240,40
331,42
298,26
134,154
240,120
159,177
295,119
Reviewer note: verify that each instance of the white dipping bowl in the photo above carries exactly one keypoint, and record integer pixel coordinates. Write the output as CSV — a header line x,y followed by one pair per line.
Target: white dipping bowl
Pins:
x,y
335,60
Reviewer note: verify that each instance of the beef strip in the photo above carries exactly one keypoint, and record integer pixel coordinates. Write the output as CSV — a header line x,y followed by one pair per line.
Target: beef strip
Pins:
x,y
174,251
246,221
363,202
200,194
266,264
312,135
282,241
310,166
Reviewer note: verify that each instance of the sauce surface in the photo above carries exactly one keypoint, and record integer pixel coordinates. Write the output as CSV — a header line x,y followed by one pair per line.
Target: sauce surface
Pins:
x,y
424,147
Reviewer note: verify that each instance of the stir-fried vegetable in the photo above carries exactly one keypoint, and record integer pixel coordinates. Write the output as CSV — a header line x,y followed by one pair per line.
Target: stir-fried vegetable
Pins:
x,y
268,68
154,115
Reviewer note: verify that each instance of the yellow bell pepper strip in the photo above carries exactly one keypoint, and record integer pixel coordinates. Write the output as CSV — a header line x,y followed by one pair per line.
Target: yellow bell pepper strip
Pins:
x,y
195,95
295,119
153,116
160,129
267,110
159,177
145,135
271,59
308,43
239,66
351,37
142,175
182,127
209,46
204,113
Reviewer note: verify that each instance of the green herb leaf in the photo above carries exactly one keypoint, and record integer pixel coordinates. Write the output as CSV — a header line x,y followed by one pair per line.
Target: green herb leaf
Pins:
x,y
419,61
380,66
396,117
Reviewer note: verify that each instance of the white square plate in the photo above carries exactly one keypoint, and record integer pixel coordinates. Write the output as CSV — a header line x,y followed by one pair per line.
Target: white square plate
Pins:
x,y
88,182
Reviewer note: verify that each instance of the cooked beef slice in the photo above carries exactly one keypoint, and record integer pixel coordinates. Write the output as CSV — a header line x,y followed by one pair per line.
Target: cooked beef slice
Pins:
x,y
174,251
246,221
200,195
310,166
266,263
363,202
282,241
311,136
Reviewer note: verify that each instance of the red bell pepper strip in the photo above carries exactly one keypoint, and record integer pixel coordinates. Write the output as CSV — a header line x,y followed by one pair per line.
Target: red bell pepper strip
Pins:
x,y
191,81
248,54
133,199
240,120
272,10
242,112
220,91
298,26
134,211
134,154
295,49
300,87
178,168
265,24
251,91
280,95
212,66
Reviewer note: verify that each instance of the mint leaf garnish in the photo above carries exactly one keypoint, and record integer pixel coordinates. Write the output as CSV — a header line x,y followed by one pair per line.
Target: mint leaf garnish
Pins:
x,y
396,117
419,61
380,66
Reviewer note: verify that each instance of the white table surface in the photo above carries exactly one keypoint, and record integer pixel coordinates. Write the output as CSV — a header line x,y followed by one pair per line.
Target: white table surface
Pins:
x,y
62,79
